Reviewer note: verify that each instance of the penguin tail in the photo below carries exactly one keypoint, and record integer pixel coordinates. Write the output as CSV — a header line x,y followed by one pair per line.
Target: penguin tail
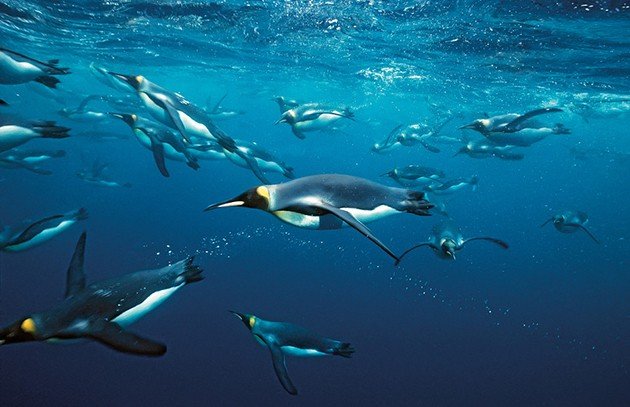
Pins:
x,y
48,81
344,349
417,204
192,272
82,214
348,113
51,130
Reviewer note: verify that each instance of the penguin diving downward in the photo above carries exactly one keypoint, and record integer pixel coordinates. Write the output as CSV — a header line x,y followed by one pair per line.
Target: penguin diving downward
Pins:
x,y
13,135
173,110
40,231
508,123
283,338
446,239
330,201
101,311
17,68
313,117
571,222
161,141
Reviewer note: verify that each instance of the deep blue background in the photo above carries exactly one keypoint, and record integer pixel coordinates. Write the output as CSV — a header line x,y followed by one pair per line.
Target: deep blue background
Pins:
x,y
544,323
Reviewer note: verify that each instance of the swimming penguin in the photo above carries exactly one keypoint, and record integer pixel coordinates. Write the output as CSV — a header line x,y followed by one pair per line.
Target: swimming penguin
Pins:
x,y
330,201
40,231
95,176
571,222
415,175
526,137
285,104
313,117
446,239
218,112
283,338
508,123
411,135
173,110
162,142
17,68
487,149
266,161
13,135
28,160
454,185
101,311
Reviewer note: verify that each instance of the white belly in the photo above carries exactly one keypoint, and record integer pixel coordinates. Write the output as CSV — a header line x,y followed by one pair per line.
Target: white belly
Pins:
x,y
14,72
313,222
42,237
303,353
370,215
323,121
13,136
149,304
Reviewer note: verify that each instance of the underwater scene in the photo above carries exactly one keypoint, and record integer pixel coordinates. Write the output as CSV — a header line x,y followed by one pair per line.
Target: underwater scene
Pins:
x,y
314,203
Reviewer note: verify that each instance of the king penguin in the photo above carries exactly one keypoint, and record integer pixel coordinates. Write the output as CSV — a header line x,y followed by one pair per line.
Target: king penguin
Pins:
x,y
13,135
101,311
283,338
18,68
39,232
446,239
507,123
329,201
571,222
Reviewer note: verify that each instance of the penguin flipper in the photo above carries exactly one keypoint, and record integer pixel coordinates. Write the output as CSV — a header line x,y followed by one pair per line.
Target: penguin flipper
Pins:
x,y
33,230
112,335
298,134
158,155
75,278
489,239
514,124
413,248
280,367
177,121
358,226
253,165
429,147
588,232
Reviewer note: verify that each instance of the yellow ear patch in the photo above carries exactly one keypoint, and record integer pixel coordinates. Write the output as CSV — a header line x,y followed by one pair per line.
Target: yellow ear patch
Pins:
x,y
28,326
139,78
263,191
134,117
252,322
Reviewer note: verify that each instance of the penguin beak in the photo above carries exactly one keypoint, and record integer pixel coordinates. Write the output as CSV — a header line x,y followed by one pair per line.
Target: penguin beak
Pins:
x,y
126,79
225,204
468,126
239,315
127,118
281,120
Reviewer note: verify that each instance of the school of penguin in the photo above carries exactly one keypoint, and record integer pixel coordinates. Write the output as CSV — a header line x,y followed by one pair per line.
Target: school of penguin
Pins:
x,y
174,129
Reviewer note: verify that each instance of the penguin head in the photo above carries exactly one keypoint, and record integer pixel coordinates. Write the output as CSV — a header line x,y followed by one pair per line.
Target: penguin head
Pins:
x,y
131,80
130,119
559,220
478,125
247,319
252,198
24,330
392,174
448,247
287,117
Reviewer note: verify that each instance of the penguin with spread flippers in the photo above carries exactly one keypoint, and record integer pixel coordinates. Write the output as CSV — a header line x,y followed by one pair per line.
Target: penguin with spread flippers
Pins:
x,y
16,68
13,135
330,201
508,123
40,231
313,117
100,311
571,222
446,239
283,338
175,111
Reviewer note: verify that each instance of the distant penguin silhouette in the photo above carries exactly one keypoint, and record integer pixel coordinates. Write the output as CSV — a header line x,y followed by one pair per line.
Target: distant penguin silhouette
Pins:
x,y
18,68
571,222
446,239
329,201
101,311
282,338
415,175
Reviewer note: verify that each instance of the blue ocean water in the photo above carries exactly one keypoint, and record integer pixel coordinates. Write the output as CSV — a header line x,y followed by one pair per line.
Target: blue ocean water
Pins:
x,y
546,322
